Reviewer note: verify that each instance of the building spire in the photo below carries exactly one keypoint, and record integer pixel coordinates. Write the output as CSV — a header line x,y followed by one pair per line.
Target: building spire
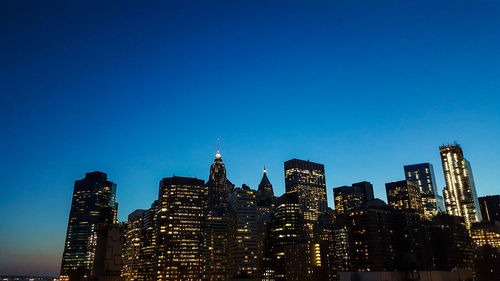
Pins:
x,y
218,156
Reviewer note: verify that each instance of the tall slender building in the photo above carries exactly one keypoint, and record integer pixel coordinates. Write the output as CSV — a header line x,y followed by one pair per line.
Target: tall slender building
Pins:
x,y
132,247
215,225
460,193
423,176
265,205
93,205
242,233
308,179
180,219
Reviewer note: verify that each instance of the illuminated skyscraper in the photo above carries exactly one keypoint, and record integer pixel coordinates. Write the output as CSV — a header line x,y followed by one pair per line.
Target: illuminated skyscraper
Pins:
x,y
460,192
215,225
180,218
132,246
265,205
308,180
286,228
350,198
404,196
242,233
423,176
93,204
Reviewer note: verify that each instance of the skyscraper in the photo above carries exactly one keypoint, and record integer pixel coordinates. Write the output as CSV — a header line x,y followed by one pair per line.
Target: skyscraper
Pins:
x,y
308,180
265,205
219,187
423,176
350,198
132,246
93,204
460,192
242,233
404,196
490,207
180,218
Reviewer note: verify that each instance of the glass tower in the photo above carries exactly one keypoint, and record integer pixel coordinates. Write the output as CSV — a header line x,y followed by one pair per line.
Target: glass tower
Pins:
x,y
93,205
423,176
460,192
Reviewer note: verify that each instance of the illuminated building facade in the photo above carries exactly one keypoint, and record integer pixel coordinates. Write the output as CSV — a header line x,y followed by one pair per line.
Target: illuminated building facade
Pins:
x,y
460,192
149,236
242,234
180,219
286,228
215,224
93,204
490,207
486,233
308,180
423,176
350,198
404,196
132,246
303,263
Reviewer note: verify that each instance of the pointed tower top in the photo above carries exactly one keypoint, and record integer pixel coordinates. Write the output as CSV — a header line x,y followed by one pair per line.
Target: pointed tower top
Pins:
x,y
265,171
218,156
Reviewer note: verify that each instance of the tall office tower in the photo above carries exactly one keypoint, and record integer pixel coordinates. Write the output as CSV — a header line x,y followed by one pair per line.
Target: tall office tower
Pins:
x,y
404,196
242,234
219,187
350,198
308,179
214,245
180,218
286,228
423,176
460,192
490,207
149,237
93,204
265,205
132,246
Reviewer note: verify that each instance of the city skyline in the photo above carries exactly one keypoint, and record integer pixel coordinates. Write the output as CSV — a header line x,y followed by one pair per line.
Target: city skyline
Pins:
x,y
142,92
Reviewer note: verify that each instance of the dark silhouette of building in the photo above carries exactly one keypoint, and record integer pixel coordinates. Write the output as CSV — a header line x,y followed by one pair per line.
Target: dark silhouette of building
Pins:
x,y
219,187
108,260
404,196
490,207
93,205
303,263
350,198
308,180
460,193
180,219
423,176
265,205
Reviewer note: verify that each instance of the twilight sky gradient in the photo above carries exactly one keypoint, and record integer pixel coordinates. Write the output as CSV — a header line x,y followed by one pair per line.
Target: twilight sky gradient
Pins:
x,y
142,91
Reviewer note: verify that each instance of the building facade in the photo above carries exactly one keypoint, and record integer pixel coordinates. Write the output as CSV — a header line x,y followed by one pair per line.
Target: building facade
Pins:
x,y
404,196
308,180
460,193
490,207
93,205
350,198
423,176
180,218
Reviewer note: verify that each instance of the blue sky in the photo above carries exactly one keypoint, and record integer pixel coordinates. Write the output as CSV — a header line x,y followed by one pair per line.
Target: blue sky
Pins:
x,y
143,91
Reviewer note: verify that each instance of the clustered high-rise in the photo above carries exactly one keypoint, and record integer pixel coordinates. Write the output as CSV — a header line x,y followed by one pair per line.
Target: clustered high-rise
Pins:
x,y
213,230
